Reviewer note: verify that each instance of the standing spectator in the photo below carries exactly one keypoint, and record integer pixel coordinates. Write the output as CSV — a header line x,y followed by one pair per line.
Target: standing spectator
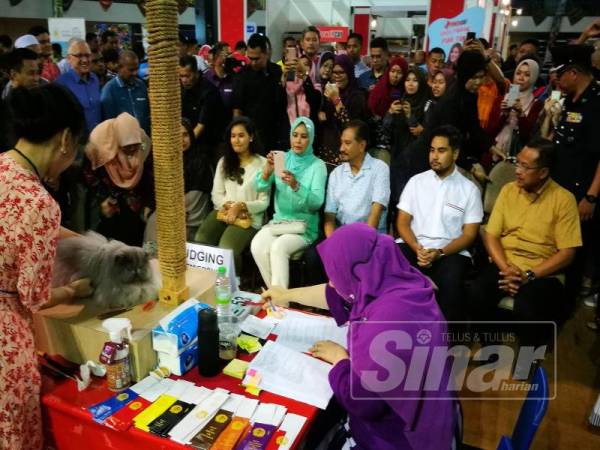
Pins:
x,y
403,126
240,48
514,125
418,58
6,44
302,98
111,60
99,68
258,94
435,62
358,189
353,48
528,49
310,43
23,70
299,195
324,69
127,93
288,42
50,70
116,152
93,42
439,215
234,193
379,64
344,101
511,61
83,83
222,77
201,104
109,40
531,237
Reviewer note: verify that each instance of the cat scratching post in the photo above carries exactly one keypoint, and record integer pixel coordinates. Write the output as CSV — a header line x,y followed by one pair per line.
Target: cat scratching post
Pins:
x,y
165,105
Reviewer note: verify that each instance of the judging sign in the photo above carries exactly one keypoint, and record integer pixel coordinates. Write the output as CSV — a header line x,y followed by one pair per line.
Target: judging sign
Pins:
x,y
211,258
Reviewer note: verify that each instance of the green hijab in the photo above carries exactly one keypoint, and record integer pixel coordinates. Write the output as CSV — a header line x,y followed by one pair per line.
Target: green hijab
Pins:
x,y
298,163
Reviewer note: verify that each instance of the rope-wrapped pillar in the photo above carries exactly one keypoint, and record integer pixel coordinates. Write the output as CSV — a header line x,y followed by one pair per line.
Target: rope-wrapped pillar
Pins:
x,y
165,105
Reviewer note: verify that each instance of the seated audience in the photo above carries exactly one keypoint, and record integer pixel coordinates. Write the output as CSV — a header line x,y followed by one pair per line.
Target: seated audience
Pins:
x,y
439,215
197,184
531,237
239,210
299,195
375,290
127,93
116,152
359,189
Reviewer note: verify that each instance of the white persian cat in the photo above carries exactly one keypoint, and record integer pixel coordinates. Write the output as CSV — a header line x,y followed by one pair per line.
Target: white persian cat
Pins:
x,y
120,274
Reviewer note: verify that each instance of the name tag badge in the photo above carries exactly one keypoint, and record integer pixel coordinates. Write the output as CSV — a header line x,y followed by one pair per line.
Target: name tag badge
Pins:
x,y
574,117
141,99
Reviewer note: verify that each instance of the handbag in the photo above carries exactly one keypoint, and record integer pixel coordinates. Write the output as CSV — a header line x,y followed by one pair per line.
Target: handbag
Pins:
x,y
245,222
287,227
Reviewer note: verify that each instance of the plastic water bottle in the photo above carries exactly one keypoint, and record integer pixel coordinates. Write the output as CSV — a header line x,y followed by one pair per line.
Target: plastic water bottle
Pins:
x,y
223,295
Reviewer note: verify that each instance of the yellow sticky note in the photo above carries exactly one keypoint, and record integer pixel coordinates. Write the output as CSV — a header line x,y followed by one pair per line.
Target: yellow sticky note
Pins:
x,y
249,343
236,368
145,418
254,390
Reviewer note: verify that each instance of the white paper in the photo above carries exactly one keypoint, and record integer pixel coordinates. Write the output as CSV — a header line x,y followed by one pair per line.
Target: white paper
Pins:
x,y
256,327
290,314
191,424
157,390
233,402
263,414
301,333
279,414
143,385
246,408
292,374
292,424
195,394
178,388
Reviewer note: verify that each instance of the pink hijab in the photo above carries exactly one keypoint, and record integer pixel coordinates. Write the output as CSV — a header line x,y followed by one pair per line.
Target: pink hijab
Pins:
x,y
105,150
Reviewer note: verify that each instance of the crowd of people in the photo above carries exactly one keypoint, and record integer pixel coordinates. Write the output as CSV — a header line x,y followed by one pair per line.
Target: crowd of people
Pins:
x,y
485,172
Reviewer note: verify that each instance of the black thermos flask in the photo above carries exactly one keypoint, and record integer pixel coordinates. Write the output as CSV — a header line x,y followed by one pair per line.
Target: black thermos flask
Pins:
x,y
209,364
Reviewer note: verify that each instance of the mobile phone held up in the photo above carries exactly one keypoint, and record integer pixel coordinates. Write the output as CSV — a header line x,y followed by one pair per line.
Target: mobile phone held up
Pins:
x,y
279,162
470,36
513,95
291,54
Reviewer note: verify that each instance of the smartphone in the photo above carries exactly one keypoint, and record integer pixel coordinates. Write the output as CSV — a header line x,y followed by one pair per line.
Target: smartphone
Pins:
x,y
291,54
555,95
513,95
396,95
279,162
470,36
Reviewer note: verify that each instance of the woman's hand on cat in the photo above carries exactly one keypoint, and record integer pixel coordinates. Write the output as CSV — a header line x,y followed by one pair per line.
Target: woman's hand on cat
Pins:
x,y
82,288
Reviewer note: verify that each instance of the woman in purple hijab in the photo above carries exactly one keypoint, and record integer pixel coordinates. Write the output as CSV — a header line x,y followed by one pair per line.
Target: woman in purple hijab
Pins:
x,y
395,395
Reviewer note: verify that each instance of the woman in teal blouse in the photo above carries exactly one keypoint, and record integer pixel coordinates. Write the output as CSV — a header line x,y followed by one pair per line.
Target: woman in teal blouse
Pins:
x,y
299,194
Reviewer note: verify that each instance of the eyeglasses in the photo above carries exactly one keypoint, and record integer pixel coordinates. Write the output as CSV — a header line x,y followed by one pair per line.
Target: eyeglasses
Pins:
x,y
81,55
521,166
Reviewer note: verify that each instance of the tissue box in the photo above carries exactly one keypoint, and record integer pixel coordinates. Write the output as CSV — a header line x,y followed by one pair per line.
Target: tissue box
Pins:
x,y
75,331
177,330
180,364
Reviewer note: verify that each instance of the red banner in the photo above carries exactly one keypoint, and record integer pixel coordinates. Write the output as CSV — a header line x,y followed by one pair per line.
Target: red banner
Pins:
x,y
333,34
232,19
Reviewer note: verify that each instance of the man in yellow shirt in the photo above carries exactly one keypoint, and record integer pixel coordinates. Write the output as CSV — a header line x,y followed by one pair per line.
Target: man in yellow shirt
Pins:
x,y
531,238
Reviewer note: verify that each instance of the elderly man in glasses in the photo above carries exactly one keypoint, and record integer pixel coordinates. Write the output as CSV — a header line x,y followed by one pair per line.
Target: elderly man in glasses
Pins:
x,y
531,237
82,82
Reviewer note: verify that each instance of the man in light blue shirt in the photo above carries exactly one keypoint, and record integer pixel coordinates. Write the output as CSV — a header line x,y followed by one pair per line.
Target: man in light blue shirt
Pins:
x,y
127,93
359,188
353,47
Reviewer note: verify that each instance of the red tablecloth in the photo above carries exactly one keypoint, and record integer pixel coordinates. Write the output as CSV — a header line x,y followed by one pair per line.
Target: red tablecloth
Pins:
x,y
70,426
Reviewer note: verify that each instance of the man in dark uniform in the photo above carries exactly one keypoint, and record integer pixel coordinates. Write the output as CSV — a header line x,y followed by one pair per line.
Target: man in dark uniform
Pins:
x,y
577,146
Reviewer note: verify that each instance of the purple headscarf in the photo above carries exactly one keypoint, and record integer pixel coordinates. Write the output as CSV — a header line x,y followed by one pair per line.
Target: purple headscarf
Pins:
x,y
346,63
365,264
381,294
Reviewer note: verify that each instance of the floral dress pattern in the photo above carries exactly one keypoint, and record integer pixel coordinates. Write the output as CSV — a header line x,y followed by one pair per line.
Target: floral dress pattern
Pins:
x,y
29,226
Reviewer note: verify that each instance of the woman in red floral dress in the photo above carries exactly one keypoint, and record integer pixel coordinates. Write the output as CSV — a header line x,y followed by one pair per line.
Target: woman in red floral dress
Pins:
x,y
48,122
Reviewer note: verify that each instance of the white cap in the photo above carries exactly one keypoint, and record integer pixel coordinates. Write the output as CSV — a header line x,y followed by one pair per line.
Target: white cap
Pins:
x,y
25,41
115,327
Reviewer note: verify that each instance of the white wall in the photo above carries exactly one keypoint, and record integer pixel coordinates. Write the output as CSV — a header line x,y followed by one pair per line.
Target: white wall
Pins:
x,y
526,25
90,11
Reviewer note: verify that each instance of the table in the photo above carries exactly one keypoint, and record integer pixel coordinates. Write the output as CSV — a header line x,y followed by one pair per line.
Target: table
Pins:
x,y
70,426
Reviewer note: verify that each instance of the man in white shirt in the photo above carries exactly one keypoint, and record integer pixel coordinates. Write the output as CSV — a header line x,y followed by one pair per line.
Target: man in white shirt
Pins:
x,y
439,215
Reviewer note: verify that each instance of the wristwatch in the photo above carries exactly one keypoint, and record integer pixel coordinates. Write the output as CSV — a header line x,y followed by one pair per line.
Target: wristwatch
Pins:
x,y
441,252
530,275
591,198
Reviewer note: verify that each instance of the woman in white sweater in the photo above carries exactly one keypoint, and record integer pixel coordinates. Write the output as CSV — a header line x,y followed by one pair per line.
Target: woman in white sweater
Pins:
x,y
239,209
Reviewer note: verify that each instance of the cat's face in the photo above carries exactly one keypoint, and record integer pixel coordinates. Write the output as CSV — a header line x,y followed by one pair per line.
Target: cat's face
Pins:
x,y
131,265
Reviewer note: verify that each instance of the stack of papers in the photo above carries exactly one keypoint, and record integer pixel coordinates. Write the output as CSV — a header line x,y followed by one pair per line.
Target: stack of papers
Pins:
x,y
304,330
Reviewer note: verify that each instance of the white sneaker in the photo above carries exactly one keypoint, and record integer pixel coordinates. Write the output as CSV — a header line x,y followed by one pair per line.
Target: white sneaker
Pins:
x,y
591,301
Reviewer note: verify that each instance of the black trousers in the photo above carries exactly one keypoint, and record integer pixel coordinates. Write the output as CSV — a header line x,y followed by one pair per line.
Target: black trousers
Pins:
x,y
448,273
539,300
